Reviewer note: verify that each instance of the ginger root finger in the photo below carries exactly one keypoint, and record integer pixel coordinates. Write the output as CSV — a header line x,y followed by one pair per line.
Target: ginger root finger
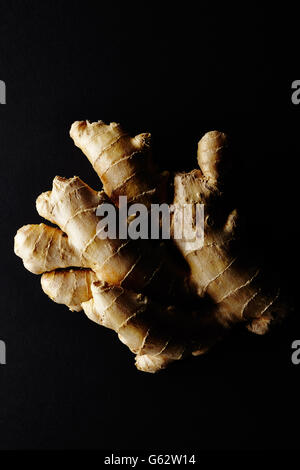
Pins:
x,y
211,155
123,163
151,364
70,287
130,314
45,248
220,269
161,334
72,204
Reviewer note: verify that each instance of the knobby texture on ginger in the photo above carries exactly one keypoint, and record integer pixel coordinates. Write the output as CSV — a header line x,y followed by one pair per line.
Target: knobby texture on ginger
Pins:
x,y
164,300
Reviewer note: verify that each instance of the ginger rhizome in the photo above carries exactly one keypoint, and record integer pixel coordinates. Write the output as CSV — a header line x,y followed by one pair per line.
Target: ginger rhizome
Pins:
x,y
164,300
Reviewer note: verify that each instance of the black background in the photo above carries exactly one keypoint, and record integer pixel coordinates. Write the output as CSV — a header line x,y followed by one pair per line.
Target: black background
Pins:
x,y
175,72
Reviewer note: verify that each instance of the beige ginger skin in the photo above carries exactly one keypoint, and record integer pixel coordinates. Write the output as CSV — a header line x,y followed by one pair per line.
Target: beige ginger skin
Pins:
x,y
162,308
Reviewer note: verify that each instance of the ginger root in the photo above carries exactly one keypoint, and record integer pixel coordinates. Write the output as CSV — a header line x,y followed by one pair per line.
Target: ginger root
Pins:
x,y
162,308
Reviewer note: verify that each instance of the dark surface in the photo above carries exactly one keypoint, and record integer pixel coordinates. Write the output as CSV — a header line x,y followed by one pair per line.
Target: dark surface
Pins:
x,y
177,74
